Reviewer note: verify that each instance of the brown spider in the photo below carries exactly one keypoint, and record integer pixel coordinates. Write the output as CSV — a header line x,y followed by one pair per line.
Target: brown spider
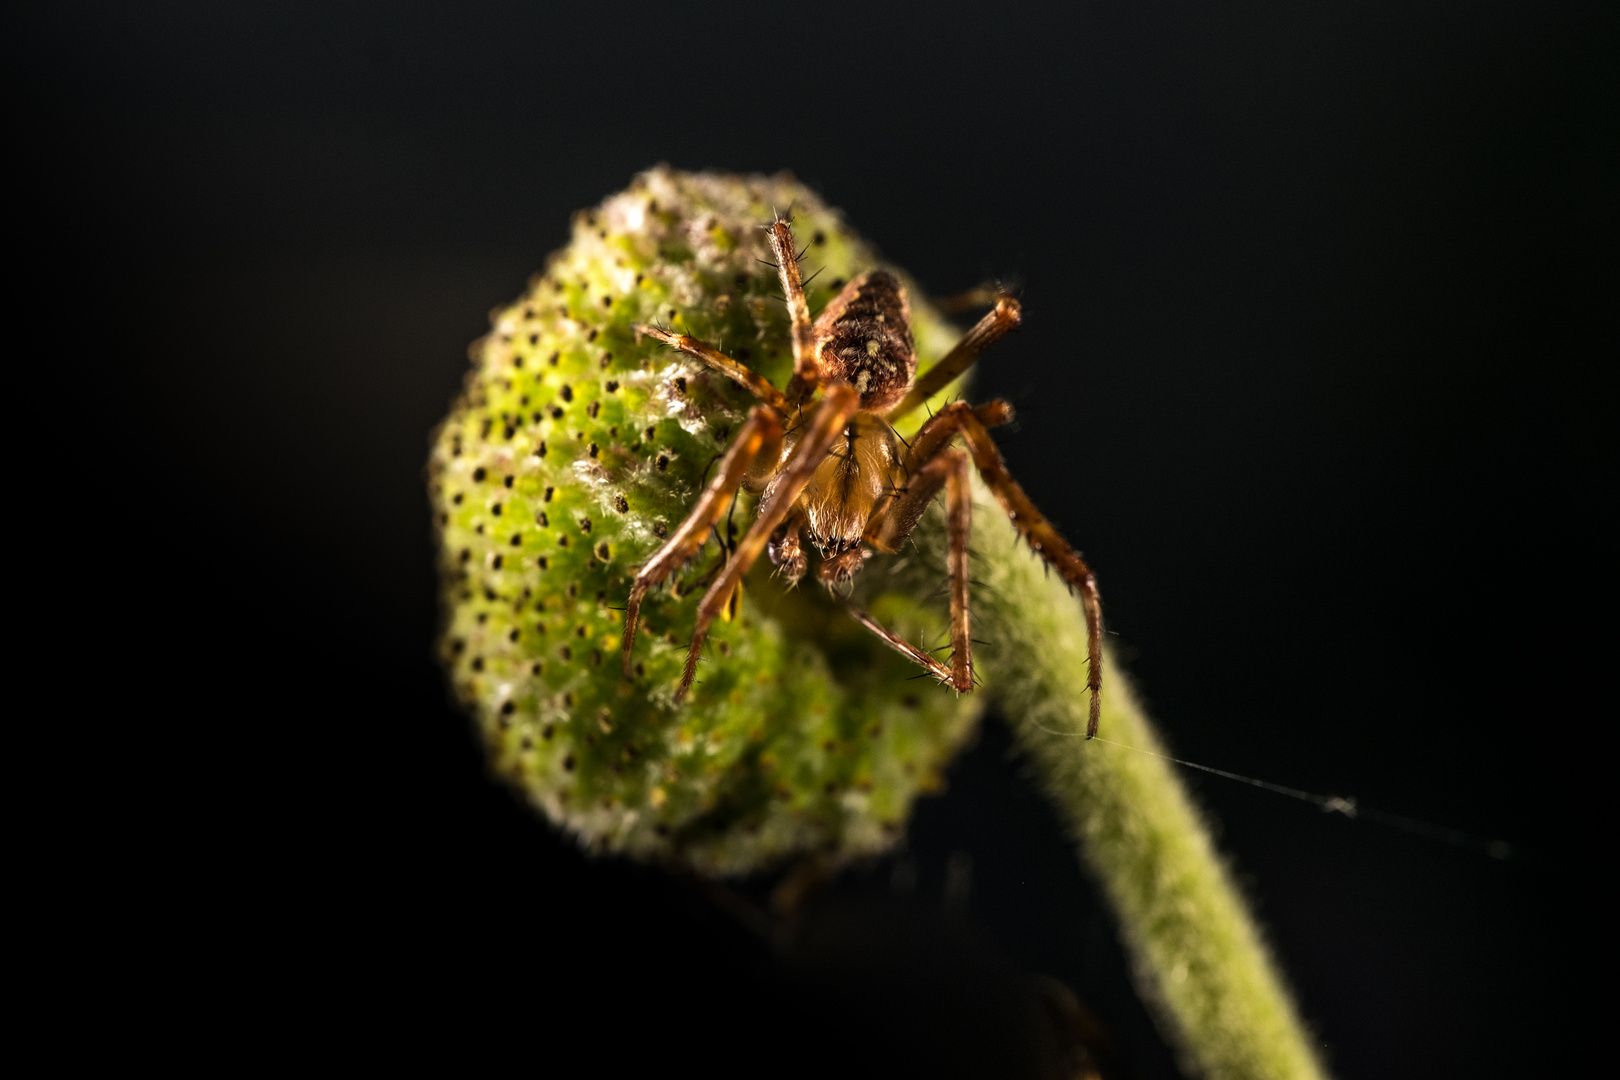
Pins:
x,y
842,474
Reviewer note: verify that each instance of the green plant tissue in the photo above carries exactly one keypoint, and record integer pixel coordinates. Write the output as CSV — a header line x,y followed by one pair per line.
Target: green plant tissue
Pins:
x,y
573,450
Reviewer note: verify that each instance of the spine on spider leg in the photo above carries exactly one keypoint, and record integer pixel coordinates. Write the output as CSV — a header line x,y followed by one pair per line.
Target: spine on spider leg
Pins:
x,y
1199,955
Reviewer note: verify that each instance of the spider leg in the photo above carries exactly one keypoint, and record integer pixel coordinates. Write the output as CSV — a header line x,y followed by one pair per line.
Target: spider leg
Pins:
x,y
984,295
761,435
749,380
825,424
1006,315
806,376
973,426
948,469
898,515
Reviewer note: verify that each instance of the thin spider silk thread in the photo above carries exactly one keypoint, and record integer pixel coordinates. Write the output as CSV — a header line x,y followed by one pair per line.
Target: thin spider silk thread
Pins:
x,y
1334,804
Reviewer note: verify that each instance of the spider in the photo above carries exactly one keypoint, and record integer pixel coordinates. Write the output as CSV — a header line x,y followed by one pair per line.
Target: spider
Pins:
x,y
839,474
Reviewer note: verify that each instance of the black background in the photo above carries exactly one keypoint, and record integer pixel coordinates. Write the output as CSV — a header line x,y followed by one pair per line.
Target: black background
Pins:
x,y
1309,370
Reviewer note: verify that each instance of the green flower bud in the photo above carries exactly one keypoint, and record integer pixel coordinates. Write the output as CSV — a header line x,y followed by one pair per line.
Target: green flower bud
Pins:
x,y
577,446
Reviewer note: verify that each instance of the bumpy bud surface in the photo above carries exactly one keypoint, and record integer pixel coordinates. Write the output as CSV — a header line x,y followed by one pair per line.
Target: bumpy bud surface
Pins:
x,y
575,449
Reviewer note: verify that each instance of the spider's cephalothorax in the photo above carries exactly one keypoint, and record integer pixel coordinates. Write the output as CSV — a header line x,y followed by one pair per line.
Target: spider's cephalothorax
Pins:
x,y
830,470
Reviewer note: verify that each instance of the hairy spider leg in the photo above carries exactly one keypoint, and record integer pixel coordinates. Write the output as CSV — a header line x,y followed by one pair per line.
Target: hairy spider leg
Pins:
x,y
806,376
760,436
948,469
825,424
747,378
992,328
972,425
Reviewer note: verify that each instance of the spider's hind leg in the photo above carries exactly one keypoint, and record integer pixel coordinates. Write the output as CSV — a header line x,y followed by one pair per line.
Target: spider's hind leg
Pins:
x,y
959,419
948,470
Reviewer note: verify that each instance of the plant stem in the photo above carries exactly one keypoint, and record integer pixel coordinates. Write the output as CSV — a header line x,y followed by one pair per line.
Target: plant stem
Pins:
x,y
1198,953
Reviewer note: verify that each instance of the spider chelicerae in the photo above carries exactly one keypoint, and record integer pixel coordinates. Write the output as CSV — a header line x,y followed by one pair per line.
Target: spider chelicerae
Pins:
x,y
828,467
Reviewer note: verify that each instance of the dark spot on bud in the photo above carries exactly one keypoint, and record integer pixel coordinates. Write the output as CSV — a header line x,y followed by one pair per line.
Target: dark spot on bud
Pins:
x,y
602,551
592,409
496,509
456,498
478,663
819,238
496,562
584,524
542,520
513,636
612,386
568,763
552,360
540,451
567,393
547,731
650,432
479,474
562,540
621,504
592,449
660,529
567,654
547,496
517,539
543,563
509,480
680,384
592,335
663,462
508,708
466,553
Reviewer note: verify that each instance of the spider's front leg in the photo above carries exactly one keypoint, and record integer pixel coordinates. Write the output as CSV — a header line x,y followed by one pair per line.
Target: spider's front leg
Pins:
x,y
973,425
760,437
825,424
805,373
748,379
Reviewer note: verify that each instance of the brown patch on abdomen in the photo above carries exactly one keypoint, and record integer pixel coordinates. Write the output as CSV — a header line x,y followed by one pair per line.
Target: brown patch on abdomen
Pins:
x,y
864,338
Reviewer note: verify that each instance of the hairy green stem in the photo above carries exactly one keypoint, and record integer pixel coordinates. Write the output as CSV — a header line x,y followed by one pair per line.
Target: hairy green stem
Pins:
x,y
1198,954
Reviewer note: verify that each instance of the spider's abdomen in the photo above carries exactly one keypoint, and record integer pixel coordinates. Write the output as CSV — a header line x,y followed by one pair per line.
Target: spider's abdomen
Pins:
x,y
863,337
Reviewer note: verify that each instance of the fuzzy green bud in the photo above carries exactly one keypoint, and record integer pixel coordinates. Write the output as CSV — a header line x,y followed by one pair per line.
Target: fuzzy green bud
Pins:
x,y
576,448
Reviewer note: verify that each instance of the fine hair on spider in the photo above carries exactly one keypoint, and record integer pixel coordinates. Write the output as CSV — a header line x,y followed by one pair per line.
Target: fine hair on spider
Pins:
x,y
838,476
